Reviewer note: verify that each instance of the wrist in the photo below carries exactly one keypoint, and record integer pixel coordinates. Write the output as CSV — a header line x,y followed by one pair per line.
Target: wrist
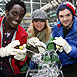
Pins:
x,y
68,49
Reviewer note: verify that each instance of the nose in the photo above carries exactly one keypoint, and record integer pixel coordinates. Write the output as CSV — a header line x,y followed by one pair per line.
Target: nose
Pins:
x,y
17,18
65,18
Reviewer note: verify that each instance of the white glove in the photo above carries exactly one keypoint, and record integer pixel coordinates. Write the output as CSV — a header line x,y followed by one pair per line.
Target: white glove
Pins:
x,y
21,54
9,49
62,42
34,41
41,46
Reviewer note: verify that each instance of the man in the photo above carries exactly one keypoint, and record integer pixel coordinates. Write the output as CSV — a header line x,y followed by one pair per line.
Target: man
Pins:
x,y
65,34
11,35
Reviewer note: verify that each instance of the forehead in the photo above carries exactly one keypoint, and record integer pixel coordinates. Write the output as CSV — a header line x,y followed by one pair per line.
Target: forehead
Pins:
x,y
64,12
17,7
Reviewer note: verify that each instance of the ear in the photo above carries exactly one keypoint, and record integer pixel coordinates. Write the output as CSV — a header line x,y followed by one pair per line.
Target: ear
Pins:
x,y
7,12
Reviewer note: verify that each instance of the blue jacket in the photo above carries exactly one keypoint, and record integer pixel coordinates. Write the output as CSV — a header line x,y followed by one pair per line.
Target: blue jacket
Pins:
x,y
71,38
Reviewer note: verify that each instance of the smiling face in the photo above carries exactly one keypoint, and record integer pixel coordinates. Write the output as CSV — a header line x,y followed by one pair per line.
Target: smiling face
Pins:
x,y
65,17
14,16
39,24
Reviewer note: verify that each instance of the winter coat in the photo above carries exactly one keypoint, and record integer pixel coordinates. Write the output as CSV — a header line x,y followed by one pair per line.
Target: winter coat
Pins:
x,y
71,38
21,35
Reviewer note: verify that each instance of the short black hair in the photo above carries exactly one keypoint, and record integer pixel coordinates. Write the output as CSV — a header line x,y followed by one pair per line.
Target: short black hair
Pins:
x,y
11,3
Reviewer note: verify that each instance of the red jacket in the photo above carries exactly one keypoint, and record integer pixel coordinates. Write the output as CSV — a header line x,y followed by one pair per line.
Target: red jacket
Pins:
x,y
21,35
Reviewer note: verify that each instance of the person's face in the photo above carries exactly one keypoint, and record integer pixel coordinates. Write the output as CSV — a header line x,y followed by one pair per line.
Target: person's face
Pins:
x,y
14,16
65,17
39,24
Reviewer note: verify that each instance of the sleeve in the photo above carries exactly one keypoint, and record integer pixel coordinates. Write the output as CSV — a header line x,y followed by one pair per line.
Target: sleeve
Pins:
x,y
73,53
54,31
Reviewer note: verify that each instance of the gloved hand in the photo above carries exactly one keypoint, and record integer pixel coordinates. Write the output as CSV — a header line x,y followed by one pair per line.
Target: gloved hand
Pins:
x,y
21,53
60,48
41,46
9,49
34,41
62,42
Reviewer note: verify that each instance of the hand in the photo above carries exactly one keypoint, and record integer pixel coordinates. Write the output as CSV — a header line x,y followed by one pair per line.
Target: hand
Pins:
x,y
32,41
37,43
60,49
9,49
21,54
62,42
41,46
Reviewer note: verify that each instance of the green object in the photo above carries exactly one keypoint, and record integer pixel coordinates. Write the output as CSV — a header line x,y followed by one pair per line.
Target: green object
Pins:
x,y
55,57
50,58
27,46
51,46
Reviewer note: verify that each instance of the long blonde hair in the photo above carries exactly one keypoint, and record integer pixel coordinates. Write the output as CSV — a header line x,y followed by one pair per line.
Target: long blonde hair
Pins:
x,y
31,32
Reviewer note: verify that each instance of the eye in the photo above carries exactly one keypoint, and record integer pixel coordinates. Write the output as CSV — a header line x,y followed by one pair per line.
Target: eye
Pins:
x,y
35,20
42,20
14,13
69,14
61,16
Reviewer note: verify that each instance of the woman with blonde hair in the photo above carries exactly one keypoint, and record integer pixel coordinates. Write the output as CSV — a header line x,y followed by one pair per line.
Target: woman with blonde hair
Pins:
x,y
39,26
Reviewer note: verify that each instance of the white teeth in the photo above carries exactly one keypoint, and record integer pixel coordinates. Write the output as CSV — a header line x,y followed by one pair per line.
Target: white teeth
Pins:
x,y
39,26
14,22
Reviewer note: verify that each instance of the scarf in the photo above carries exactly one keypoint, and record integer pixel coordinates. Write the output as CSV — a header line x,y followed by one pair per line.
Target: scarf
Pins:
x,y
41,35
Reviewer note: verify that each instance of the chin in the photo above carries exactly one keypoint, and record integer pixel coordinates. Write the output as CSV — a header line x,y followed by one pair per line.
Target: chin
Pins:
x,y
14,27
40,30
